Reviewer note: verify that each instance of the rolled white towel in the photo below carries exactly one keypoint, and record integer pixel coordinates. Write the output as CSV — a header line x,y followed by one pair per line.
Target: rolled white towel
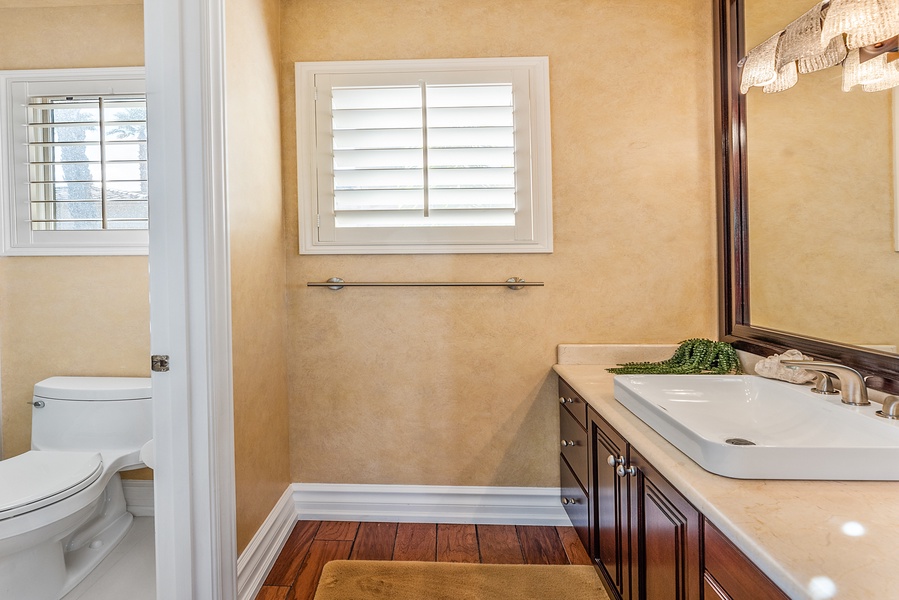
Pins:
x,y
772,368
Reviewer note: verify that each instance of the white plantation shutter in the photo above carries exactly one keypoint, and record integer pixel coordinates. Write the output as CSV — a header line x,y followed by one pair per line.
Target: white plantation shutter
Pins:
x,y
75,163
87,162
433,157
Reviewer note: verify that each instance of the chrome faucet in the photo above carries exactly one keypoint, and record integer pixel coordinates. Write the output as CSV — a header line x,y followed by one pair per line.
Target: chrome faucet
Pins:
x,y
852,384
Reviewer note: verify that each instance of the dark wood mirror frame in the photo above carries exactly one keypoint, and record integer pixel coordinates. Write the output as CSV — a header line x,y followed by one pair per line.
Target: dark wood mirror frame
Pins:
x,y
733,258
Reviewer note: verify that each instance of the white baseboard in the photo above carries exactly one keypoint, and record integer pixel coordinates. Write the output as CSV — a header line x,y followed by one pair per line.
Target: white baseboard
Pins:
x,y
257,559
429,504
392,503
139,497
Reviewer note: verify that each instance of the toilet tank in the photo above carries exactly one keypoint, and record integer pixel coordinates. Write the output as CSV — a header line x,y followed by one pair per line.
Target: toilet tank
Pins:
x,y
91,413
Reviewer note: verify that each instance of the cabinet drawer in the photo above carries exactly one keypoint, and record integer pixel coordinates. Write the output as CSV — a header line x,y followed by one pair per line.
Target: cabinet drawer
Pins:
x,y
734,573
573,442
574,499
573,402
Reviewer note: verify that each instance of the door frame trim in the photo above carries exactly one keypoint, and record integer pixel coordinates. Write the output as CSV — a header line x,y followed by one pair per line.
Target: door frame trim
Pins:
x,y
190,313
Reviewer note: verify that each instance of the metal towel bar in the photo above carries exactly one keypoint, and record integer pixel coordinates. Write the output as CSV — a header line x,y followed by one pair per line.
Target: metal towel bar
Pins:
x,y
513,283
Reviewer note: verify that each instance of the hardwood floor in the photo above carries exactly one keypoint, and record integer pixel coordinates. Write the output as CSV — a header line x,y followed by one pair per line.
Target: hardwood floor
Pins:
x,y
311,544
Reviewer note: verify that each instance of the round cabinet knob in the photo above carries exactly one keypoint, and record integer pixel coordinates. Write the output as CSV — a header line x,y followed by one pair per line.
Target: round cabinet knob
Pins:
x,y
613,461
38,404
564,500
561,400
568,443
621,471
565,400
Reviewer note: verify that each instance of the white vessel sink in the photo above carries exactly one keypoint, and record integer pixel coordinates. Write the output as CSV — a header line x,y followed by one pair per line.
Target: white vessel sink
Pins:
x,y
795,433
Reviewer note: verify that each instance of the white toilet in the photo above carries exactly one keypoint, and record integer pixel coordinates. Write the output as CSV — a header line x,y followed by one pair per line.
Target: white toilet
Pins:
x,y
61,504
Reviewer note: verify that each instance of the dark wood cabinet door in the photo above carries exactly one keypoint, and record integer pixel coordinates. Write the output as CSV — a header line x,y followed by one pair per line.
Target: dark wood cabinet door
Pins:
x,y
610,506
735,575
665,537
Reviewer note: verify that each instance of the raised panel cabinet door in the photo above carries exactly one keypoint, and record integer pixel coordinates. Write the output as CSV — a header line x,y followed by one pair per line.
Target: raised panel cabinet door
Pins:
x,y
665,537
610,502
734,573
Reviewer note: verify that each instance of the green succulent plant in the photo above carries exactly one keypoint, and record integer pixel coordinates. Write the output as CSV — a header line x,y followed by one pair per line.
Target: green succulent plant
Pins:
x,y
693,356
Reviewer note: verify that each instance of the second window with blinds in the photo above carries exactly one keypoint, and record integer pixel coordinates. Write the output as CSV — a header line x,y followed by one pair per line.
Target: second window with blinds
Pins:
x,y
74,174
424,156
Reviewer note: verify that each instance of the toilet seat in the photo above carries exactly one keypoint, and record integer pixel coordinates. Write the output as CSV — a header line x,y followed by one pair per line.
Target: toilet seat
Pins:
x,y
38,478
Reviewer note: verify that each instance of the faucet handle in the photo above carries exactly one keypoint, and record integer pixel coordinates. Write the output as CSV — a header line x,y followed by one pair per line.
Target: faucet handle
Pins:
x,y
890,408
824,385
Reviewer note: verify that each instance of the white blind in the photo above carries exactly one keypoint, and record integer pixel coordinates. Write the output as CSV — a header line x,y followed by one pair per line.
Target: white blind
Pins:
x,y
423,155
87,162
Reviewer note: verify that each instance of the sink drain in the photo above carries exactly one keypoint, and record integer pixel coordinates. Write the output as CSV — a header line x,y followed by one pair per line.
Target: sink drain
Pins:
x,y
739,442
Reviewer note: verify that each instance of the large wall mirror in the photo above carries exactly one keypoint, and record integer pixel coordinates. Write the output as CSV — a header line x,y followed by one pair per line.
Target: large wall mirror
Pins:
x,y
808,187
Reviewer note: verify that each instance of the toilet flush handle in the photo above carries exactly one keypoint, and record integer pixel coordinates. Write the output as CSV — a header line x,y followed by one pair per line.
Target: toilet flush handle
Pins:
x,y
38,404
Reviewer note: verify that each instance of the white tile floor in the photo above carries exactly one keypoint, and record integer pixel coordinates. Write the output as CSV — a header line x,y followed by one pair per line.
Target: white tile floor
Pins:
x,y
128,572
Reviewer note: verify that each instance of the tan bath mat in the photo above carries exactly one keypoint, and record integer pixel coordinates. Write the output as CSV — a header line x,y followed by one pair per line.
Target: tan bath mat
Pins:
x,y
388,580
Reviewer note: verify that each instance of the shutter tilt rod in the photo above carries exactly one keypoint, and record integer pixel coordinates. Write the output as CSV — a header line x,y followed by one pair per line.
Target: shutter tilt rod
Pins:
x,y
513,283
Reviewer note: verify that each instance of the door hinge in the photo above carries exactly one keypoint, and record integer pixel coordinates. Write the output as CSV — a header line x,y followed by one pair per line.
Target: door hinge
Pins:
x,y
318,220
159,363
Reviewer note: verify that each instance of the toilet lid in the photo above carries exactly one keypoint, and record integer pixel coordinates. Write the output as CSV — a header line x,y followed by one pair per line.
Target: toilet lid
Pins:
x,y
38,478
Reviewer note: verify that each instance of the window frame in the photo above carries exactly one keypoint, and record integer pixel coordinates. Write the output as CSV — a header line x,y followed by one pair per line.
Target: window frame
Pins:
x,y
16,236
532,232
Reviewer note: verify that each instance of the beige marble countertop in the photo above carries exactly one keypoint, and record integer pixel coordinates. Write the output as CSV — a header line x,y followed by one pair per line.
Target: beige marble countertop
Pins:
x,y
814,539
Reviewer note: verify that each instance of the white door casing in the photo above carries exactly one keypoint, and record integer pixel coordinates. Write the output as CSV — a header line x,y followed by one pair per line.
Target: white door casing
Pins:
x,y
190,300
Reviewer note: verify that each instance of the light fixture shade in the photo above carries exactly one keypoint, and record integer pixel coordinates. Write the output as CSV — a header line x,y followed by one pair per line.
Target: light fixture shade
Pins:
x,y
870,72
889,80
759,69
833,55
786,78
864,22
802,38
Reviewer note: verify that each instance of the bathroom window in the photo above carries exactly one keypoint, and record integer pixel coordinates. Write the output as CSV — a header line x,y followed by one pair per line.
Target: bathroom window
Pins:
x,y
75,162
424,156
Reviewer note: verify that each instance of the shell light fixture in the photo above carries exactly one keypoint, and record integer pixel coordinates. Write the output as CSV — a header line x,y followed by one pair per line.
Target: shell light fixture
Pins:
x,y
890,79
759,69
864,22
830,33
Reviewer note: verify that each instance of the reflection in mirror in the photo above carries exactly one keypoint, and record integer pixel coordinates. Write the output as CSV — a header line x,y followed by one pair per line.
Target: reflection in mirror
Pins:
x,y
821,200
808,199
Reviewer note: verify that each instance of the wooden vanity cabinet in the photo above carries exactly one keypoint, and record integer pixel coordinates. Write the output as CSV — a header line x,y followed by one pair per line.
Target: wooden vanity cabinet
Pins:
x,y
646,540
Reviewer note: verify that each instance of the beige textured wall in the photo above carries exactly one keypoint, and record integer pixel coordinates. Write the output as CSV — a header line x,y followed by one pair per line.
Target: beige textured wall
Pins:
x,y
822,261
68,315
453,386
257,262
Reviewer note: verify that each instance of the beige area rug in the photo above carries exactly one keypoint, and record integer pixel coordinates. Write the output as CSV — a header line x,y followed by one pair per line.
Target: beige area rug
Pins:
x,y
387,580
